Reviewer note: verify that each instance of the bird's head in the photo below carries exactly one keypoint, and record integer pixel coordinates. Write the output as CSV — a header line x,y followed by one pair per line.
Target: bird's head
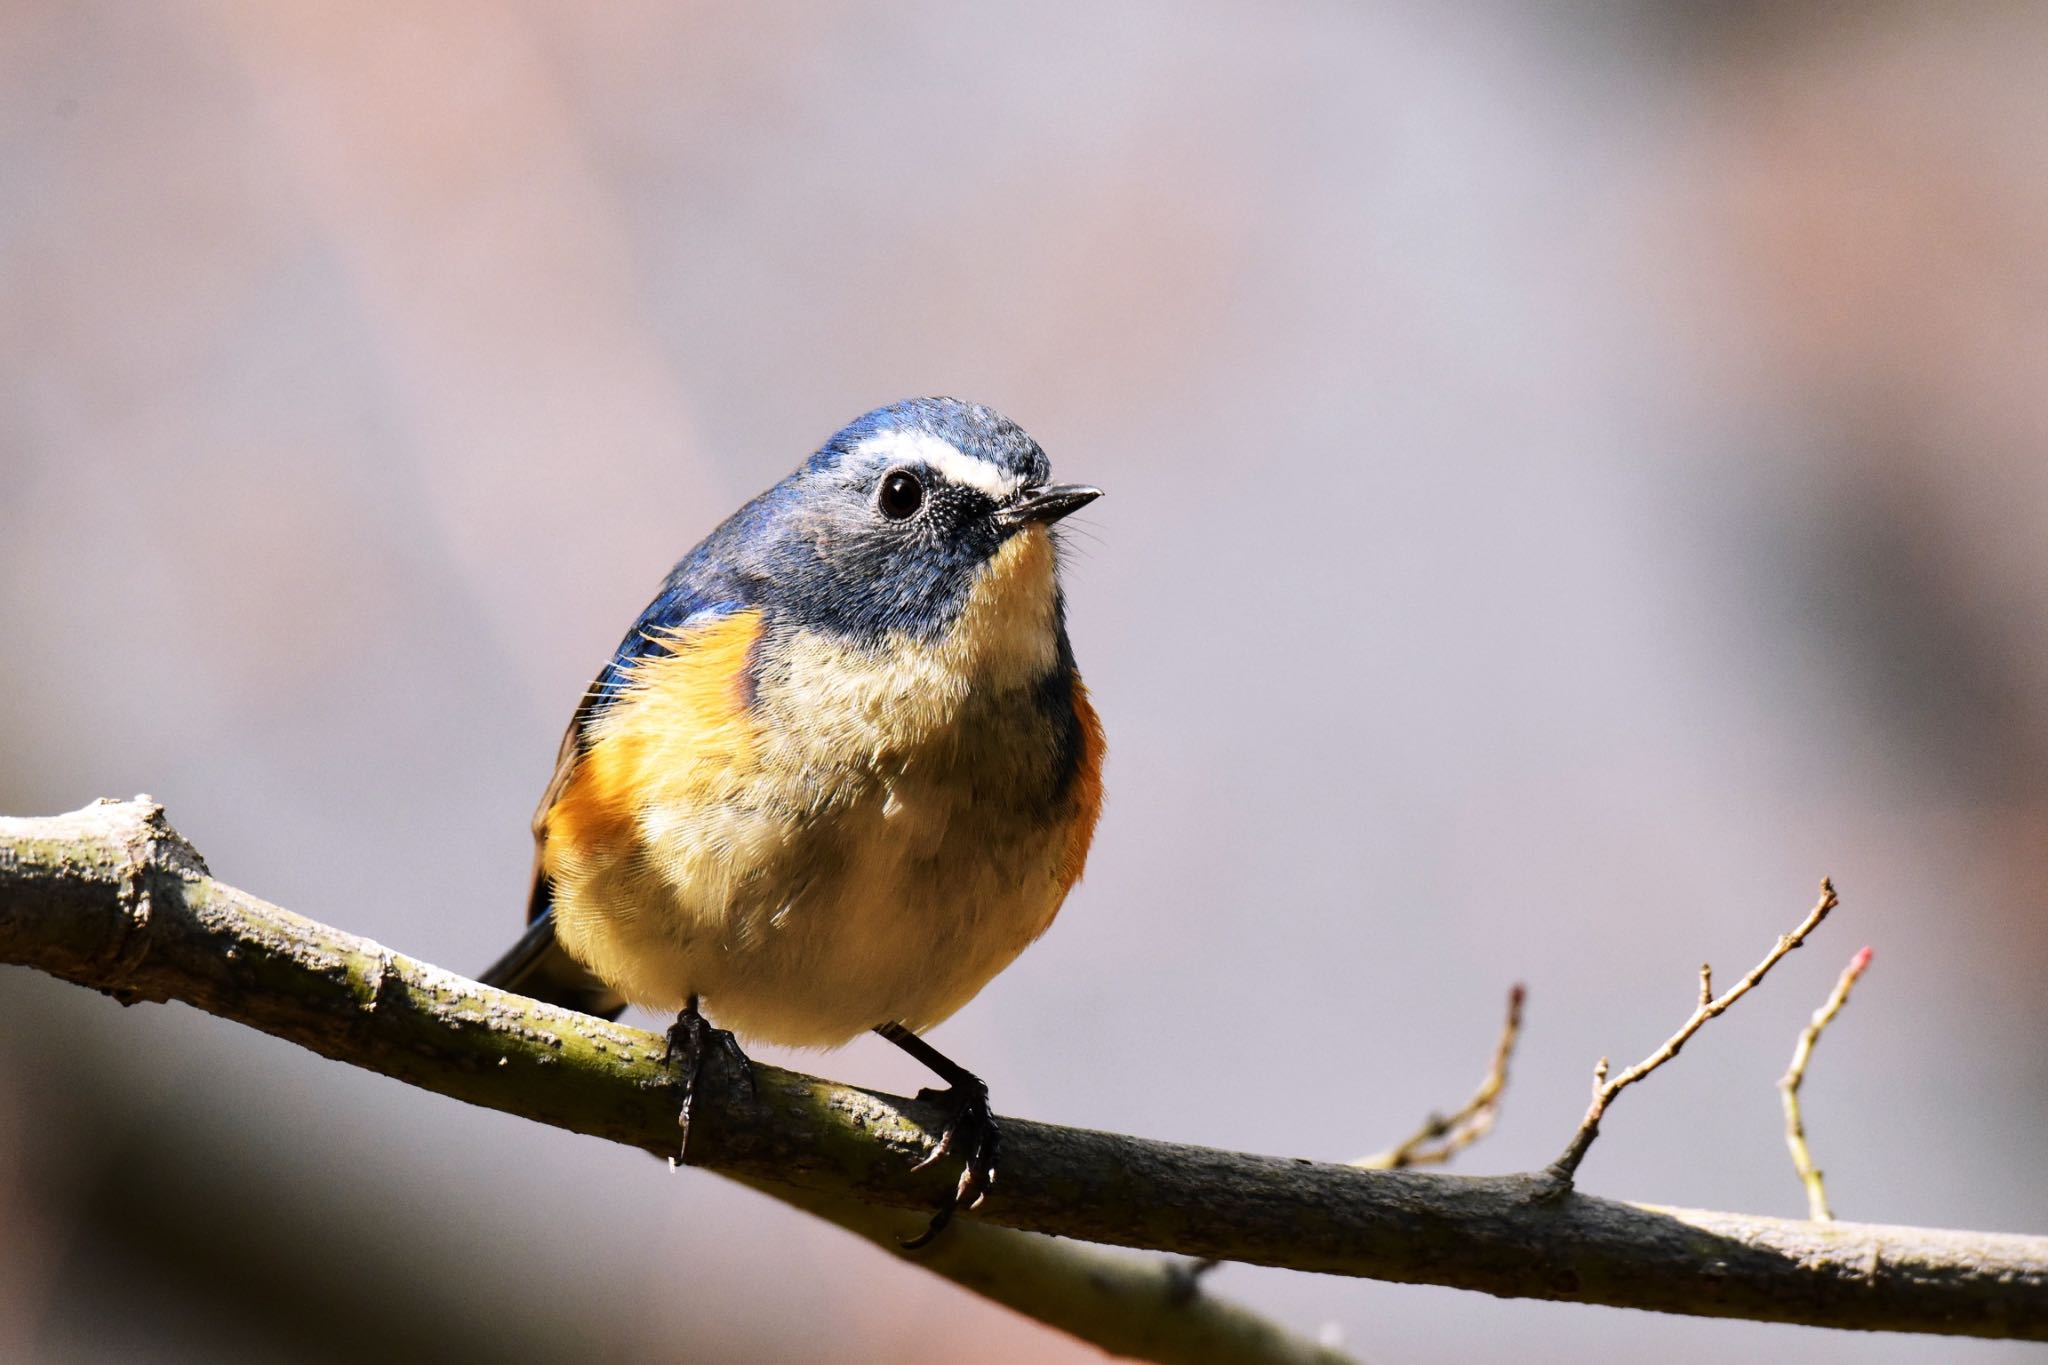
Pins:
x,y
929,519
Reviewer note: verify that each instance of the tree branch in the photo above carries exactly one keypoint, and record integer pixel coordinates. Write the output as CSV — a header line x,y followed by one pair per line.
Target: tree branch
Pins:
x,y
113,898
110,897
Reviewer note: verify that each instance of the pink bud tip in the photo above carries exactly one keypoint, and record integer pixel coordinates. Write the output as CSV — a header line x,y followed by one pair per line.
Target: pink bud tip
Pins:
x,y
1861,960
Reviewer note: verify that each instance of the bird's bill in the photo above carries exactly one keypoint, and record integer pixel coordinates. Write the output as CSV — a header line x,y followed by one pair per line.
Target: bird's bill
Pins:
x,y
1047,504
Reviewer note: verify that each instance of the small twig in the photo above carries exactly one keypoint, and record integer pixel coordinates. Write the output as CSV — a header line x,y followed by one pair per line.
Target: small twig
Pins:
x,y
1448,1132
1788,1086
1561,1171
1445,1135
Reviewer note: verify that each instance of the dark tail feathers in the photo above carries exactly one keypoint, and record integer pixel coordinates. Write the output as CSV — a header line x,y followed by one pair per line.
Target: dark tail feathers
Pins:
x,y
537,967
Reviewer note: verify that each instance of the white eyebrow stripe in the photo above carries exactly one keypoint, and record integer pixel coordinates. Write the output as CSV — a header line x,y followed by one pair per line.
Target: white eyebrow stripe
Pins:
x,y
970,471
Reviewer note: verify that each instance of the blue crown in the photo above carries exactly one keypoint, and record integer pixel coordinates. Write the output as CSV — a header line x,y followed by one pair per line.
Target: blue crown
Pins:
x,y
968,427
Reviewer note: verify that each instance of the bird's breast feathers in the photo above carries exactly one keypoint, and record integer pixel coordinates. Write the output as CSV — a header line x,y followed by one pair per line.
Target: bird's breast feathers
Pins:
x,y
819,834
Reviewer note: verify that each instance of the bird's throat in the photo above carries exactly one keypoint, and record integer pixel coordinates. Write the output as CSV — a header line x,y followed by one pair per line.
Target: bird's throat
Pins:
x,y
1007,632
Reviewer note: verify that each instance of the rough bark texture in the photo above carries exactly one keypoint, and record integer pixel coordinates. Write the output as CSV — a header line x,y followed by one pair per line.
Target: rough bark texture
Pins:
x,y
111,898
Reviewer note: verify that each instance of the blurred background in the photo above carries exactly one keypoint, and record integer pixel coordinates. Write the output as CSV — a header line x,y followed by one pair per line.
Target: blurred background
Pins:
x,y
1575,477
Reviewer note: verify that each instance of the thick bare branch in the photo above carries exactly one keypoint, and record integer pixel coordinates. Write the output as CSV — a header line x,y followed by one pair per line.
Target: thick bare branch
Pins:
x,y
111,898
1441,1136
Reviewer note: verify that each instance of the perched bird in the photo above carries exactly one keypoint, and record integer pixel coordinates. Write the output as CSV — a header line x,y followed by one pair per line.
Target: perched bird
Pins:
x,y
841,771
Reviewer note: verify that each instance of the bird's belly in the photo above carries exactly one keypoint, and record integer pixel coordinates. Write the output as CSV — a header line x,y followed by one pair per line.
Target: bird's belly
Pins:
x,y
898,904
901,910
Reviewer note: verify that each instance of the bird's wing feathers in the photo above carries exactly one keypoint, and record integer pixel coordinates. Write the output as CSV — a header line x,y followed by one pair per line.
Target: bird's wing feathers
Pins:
x,y
536,964
684,599
566,758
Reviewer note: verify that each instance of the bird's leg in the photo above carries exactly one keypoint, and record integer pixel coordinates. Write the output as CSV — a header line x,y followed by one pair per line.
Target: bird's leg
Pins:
x,y
971,1131
690,1040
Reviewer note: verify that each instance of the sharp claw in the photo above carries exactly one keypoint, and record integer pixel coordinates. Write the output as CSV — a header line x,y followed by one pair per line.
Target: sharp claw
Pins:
x,y
939,1152
937,1226
972,1128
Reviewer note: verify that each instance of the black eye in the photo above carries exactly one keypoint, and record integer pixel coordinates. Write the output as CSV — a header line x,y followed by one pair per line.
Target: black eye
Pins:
x,y
902,494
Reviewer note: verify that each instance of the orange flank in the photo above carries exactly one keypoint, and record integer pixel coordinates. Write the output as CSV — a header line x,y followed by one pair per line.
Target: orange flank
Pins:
x,y
1087,790
678,732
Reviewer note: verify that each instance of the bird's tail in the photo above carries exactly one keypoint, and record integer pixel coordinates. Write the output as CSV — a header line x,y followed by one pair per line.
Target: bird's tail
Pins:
x,y
537,966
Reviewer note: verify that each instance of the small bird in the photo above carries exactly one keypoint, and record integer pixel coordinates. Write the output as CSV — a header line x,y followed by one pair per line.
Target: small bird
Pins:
x,y
840,772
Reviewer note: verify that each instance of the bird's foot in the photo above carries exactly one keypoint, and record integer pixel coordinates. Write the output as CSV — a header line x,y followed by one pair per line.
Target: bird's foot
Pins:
x,y
691,1041
972,1134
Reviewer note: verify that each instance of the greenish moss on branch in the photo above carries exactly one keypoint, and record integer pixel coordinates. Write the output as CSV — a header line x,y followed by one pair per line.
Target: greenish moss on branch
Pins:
x,y
111,898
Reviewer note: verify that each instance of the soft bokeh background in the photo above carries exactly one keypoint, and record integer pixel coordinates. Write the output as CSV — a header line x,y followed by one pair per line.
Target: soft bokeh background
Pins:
x,y
1576,475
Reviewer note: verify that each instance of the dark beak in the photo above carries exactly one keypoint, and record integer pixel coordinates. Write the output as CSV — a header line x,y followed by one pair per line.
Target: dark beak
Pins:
x,y
1046,505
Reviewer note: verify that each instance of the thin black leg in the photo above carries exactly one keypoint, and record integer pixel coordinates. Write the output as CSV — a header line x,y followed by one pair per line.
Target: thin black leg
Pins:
x,y
971,1130
690,1040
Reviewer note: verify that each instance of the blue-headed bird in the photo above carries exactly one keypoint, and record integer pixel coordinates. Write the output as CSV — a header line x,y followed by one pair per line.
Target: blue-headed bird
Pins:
x,y
841,771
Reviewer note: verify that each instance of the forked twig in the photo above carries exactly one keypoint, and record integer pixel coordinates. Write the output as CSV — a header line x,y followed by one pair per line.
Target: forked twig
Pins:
x,y
1443,1136
1440,1138
1561,1171
1789,1083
